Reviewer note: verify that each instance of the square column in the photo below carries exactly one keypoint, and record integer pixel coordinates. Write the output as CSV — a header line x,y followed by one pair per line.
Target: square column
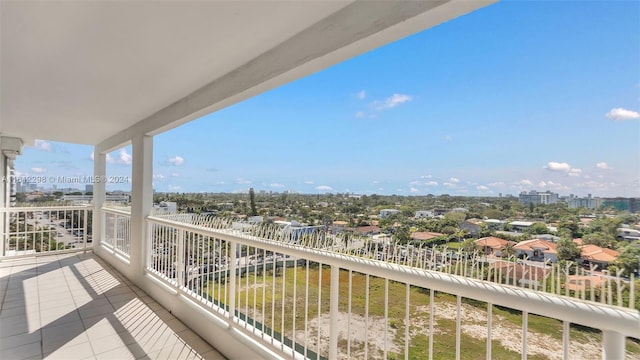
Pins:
x,y
99,196
141,202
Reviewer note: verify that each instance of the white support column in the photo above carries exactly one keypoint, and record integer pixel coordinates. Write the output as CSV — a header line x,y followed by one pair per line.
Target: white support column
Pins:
x,y
3,217
613,347
10,147
99,196
141,202
334,312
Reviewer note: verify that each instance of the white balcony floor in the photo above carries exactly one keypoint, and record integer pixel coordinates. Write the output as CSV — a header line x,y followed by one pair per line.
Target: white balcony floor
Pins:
x,y
75,306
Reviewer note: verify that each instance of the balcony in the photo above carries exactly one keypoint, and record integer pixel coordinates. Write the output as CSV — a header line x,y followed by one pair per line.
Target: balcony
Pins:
x,y
249,292
75,306
259,292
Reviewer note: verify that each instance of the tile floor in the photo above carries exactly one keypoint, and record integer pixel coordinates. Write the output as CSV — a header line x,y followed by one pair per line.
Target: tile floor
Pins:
x,y
75,306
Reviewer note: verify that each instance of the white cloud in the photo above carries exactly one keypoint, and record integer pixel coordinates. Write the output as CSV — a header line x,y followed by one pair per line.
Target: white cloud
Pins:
x,y
621,114
431,183
557,166
174,188
482,188
38,170
91,156
324,188
448,184
124,157
552,185
242,181
454,180
497,183
309,182
602,165
361,95
525,182
175,160
390,102
414,190
43,145
575,172
276,185
158,177
426,177
415,183
175,174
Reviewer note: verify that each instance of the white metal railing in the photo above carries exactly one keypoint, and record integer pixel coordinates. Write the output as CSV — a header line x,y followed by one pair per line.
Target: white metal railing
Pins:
x,y
117,230
44,230
321,296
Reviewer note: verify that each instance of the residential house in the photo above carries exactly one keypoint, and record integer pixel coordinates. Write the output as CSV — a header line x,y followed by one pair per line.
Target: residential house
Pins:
x,y
424,235
495,224
385,213
597,256
492,245
424,214
471,226
537,250
523,275
520,226
369,230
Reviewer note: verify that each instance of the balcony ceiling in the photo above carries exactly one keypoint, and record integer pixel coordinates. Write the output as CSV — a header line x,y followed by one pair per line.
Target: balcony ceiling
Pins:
x,y
85,72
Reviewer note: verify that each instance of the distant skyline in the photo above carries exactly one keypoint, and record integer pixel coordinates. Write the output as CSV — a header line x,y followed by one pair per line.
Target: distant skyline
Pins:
x,y
516,96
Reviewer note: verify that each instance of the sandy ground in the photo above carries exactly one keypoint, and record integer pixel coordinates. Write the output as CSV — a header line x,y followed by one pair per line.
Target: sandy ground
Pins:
x,y
474,324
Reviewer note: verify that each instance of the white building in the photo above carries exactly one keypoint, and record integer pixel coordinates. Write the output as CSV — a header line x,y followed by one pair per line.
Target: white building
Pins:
x,y
424,214
538,197
385,213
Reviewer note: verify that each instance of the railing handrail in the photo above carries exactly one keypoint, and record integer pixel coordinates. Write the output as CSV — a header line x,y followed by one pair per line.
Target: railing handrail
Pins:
x,y
577,311
46,208
116,211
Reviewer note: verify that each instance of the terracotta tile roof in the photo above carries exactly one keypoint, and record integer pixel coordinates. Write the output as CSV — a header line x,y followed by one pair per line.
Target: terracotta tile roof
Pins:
x,y
596,253
369,229
575,282
537,244
493,242
424,235
520,271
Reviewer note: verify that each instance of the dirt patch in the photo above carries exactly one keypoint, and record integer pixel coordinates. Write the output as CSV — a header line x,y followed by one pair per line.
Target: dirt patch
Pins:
x,y
375,336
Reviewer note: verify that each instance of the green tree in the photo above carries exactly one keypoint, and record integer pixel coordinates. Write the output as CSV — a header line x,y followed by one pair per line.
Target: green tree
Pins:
x,y
570,226
538,228
252,202
599,238
629,259
567,249
469,245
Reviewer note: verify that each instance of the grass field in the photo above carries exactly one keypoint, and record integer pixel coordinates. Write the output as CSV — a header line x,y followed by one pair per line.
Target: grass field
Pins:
x,y
544,336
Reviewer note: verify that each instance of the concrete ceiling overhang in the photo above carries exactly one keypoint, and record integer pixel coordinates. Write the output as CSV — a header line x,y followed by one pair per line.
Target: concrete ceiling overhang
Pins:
x,y
97,72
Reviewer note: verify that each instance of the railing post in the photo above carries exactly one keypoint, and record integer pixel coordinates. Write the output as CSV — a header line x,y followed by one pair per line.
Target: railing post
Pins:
x,y
181,266
85,217
334,312
232,279
612,345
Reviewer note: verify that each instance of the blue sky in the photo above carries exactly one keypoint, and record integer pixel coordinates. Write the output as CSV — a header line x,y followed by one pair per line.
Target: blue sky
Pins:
x,y
520,95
